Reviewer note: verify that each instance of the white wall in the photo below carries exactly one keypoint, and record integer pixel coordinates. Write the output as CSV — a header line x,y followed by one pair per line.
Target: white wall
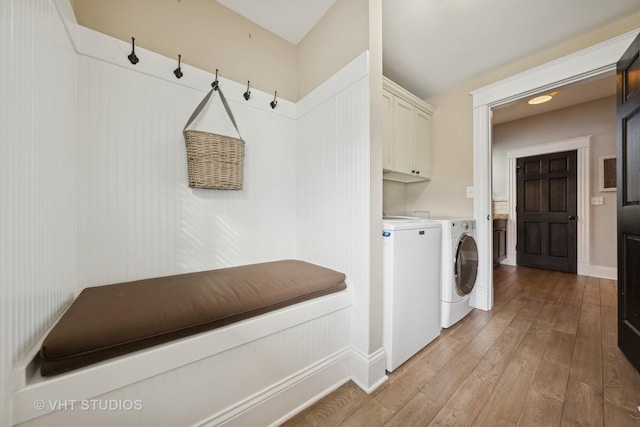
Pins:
x,y
395,198
307,183
38,178
138,218
597,118
97,192
333,169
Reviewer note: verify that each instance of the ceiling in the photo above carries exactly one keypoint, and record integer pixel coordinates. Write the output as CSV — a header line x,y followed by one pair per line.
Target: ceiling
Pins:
x,y
433,45
583,91
289,19
430,46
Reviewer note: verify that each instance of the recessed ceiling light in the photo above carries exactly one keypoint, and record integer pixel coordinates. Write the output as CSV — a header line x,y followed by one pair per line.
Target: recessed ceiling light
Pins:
x,y
539,99
542,98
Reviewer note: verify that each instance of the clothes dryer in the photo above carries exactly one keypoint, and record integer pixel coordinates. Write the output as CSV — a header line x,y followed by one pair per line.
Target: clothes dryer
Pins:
x,y
459,268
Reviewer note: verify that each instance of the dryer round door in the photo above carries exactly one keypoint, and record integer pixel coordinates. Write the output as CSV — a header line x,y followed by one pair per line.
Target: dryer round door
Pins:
x,y
466,265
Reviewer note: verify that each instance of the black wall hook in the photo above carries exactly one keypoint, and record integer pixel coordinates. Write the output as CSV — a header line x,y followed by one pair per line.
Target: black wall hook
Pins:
x,y
132,56
214,85
274,102
178,71
247,94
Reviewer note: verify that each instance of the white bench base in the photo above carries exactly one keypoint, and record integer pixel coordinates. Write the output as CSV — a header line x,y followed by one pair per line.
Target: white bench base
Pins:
x,y
259,371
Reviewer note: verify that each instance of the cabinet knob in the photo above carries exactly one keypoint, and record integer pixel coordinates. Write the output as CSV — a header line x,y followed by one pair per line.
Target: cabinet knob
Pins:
x,y
413,171
417,172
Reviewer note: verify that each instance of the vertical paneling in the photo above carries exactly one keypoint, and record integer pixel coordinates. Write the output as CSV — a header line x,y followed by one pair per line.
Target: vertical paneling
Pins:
x,y
5,219
333,190
138,218
94,186
37,178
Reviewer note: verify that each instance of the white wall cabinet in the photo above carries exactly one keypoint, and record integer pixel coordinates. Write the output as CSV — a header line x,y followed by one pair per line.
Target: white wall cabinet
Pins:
x,y
406,135
387,132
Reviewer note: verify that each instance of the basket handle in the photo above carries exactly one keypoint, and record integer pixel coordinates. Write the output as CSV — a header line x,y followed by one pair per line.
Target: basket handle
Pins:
x,y
204,101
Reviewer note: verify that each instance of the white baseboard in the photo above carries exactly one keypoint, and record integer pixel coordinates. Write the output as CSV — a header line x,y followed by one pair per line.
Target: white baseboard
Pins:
x,y
299,391
604,272
584,269
479,298
509,260
304,389
368,371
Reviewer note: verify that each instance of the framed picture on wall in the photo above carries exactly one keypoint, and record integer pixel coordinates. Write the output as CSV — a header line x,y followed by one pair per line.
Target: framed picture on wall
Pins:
x,y
608,173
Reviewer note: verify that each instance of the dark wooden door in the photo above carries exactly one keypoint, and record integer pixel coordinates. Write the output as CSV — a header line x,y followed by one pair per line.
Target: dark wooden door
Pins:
x,y
628,184
547,212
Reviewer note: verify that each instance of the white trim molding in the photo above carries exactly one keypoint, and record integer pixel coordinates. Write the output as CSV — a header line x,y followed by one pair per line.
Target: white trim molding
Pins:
x,y
482,295
581,145
593,61
308,386
603,272
102,47
366,369
589,62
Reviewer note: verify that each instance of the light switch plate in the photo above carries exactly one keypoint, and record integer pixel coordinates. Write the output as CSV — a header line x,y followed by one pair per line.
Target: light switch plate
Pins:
x,y
597,201
469,192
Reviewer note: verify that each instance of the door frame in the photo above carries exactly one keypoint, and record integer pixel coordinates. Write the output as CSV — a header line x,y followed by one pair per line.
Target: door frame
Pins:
x,y
590,62
581,145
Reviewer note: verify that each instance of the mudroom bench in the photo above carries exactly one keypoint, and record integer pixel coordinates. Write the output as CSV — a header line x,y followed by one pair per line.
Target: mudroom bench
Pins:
x,y
245,336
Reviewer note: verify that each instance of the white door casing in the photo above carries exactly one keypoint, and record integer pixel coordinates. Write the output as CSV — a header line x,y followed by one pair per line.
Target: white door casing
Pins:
x,y
581,145
593,61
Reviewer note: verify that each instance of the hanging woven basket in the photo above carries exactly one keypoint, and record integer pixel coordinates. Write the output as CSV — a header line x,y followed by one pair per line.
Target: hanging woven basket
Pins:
x,y
214,161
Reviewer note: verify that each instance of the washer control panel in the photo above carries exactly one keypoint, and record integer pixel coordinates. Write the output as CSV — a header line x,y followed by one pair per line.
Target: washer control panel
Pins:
x,y
462,226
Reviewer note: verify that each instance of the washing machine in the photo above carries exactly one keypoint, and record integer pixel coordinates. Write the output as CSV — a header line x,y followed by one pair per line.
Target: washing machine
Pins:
x,y
459,268
411,286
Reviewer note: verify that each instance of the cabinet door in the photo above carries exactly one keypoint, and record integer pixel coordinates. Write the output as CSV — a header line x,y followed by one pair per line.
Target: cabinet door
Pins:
x,y
422,143
387,136
403,113
502,247
496,247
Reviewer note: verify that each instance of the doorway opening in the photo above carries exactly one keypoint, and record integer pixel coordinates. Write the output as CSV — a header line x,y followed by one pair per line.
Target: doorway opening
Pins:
x,y
547,211
582,147
590,62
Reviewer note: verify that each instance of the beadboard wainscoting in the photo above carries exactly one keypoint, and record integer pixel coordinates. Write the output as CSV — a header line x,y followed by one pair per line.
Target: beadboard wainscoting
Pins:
x,y
94,191
333,195
252,372
38,179
138,216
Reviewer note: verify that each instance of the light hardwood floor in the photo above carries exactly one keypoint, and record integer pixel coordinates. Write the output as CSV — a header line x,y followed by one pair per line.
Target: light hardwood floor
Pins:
x,y
545,355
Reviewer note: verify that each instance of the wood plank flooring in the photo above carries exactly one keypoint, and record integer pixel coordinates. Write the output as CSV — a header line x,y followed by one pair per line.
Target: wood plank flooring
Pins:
x,y
546,355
